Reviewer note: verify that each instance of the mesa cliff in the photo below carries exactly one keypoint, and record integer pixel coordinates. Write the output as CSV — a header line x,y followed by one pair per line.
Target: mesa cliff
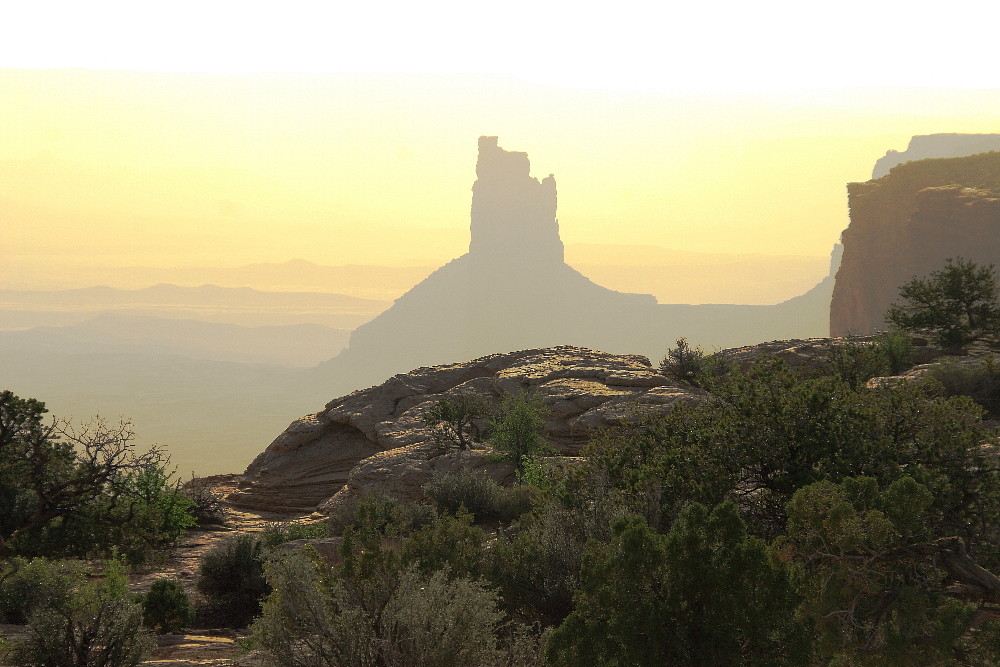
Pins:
x,y
905,225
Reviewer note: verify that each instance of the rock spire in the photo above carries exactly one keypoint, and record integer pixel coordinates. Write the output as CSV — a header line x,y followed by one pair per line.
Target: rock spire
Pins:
x,y
513,214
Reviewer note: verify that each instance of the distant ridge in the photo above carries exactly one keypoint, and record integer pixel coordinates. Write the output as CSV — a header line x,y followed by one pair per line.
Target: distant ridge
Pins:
x,y
924,146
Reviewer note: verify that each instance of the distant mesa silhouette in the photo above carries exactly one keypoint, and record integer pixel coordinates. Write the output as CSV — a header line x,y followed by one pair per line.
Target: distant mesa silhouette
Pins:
x,y
941,145
513,290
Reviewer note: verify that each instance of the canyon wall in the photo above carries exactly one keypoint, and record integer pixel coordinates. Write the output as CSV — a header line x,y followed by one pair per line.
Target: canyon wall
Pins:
x,y
905,225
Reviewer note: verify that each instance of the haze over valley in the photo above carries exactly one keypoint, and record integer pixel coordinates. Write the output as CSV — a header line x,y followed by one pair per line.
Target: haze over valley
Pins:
x,y
211,246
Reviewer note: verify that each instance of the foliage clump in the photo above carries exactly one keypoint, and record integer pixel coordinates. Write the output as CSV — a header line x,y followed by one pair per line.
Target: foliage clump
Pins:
x,y
231,576
479,494
166,608
68,490
84,624
959,304
516,430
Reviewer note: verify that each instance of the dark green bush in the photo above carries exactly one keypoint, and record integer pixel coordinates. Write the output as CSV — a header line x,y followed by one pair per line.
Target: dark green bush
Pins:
x,y
92,624
231,577
450,542
897,349
381,513
166,607
480,495
684,363
855,362
958,304
25,585
979,380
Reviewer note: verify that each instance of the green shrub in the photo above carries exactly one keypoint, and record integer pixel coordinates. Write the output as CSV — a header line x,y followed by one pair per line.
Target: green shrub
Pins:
x,y
94,624
381,513
25,585
231,577
166,607
980,381
855,362
706,593
516,430
684,363
314,618
81,490
480,495
897,349
449,542
279,533
959,303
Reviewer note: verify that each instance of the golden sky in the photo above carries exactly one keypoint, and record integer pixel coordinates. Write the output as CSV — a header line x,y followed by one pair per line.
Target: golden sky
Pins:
x,y
173,134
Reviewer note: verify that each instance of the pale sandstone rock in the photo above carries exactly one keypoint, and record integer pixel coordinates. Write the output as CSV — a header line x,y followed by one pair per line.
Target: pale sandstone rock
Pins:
x,y
375,439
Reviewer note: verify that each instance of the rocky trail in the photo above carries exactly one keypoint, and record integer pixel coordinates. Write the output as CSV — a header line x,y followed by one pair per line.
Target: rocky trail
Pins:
x,y
215,647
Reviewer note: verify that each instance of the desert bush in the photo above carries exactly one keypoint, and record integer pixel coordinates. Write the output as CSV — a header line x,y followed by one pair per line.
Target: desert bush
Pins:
x,y
166,607
27,584
449,542
231,577
453,420
516,430
315,618
980,381
683,363
897,349
93,624
206,505
855,362
381,513
536,564
706,593
959,303
480,495
81,490
279,533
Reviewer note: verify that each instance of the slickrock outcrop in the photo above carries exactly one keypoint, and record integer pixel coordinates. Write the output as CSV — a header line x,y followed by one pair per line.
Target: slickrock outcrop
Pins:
x,y
376,438
905,225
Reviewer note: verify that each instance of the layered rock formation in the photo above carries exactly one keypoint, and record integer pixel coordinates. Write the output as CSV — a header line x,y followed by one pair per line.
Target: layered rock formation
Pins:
x,y
905,225
376,439
927,146
513,290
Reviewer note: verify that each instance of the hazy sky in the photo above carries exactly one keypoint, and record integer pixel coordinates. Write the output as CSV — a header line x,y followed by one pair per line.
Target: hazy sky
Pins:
x,y
726,126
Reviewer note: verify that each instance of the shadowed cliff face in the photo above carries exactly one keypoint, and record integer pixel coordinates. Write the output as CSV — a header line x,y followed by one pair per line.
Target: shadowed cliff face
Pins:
x,y
906,225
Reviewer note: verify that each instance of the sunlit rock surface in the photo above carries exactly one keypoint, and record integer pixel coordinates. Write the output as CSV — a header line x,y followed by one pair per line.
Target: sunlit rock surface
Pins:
x,y
375,439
